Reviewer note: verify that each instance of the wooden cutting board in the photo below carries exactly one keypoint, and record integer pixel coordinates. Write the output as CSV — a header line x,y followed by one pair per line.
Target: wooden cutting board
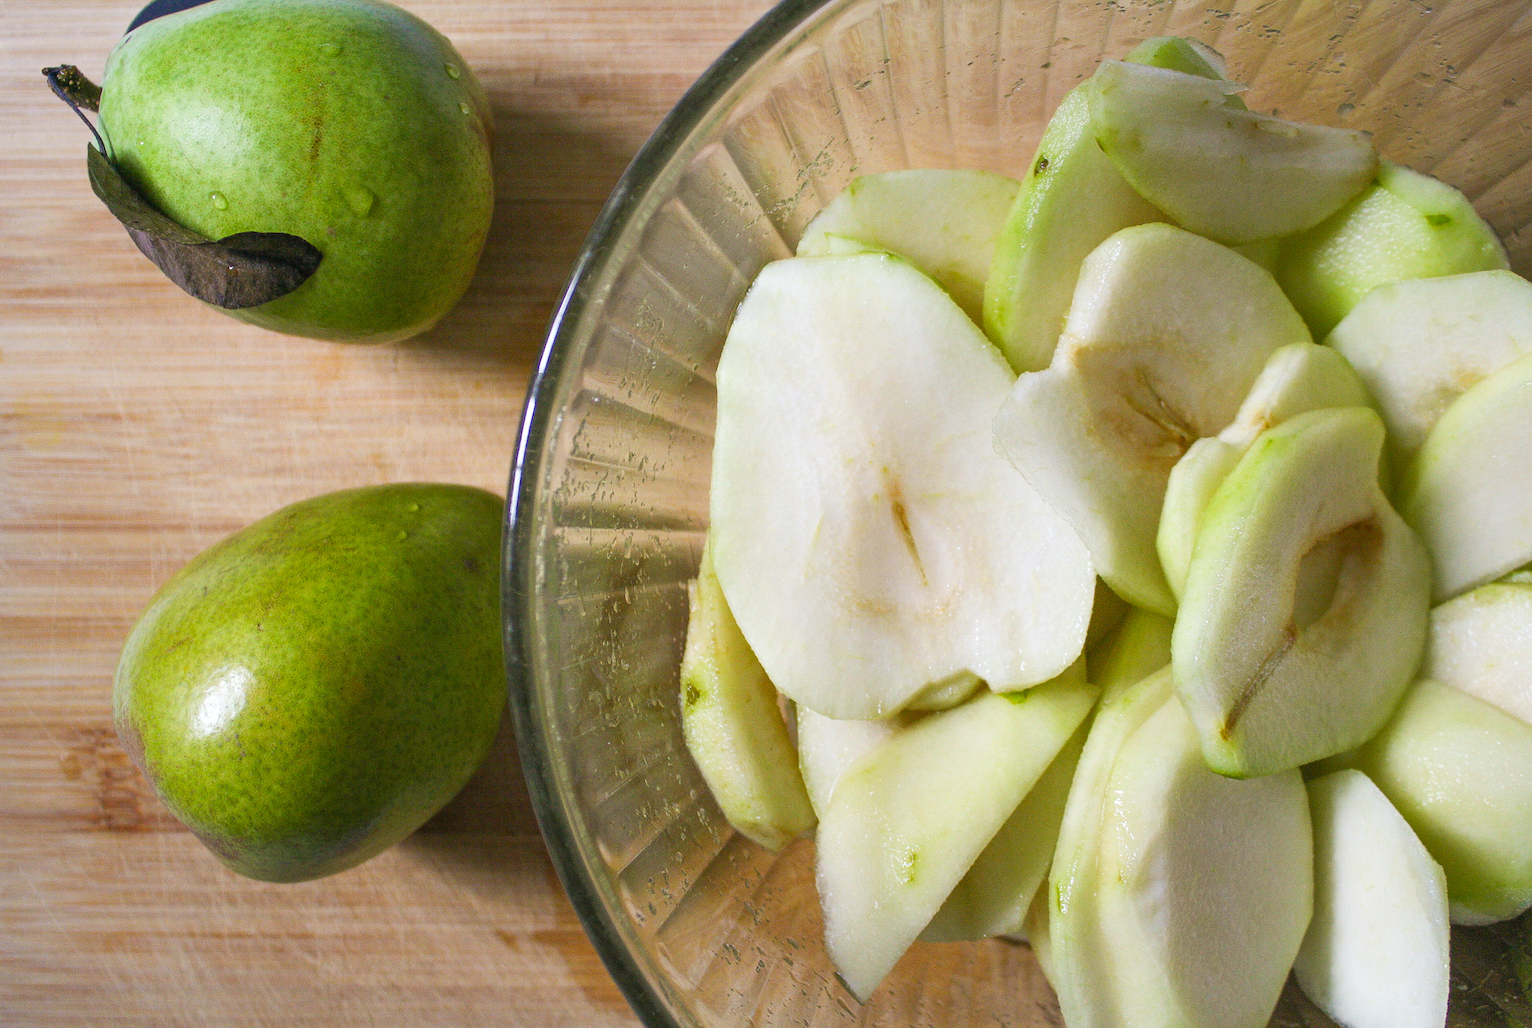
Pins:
x,y
137,428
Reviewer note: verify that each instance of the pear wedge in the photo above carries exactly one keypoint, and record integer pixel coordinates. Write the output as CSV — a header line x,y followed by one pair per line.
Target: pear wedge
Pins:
x,y
943,222
870,542
1230,174
1481,643
1153,357
907,821
1136,649
1303,577
1419,344
1470,492
1297,378
733,727
1205,886
1403,226
827,748
1460,772
1376,952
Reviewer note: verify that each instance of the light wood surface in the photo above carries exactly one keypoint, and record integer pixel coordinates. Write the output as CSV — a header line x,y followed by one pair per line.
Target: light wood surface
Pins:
x,y
137,428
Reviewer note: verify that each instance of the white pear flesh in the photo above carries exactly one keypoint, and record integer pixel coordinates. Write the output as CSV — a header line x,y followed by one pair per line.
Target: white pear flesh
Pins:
x,y
994,896
1302,578
1481,643
1205,883
1419,344
1076,949
1232,175
1460,772
868,538
944,222
1298,378
906,823
1470,493
1071,200
1166,334
1376,952
733,727
827,748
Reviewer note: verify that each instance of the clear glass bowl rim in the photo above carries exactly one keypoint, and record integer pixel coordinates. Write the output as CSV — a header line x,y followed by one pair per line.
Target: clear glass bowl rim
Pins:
x,y
518,575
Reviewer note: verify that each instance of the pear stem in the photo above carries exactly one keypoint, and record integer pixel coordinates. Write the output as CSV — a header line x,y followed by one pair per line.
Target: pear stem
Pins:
x,y
72,87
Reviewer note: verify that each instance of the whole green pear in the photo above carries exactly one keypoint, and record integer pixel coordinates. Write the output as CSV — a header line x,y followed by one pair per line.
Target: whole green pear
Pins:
x,y
309,691
350,123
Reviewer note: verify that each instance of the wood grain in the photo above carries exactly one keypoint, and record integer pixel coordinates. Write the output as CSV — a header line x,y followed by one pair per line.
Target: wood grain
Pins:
x,y
137,427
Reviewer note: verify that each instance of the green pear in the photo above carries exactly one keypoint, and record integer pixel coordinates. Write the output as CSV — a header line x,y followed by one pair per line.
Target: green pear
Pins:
x,y
350,123
309,691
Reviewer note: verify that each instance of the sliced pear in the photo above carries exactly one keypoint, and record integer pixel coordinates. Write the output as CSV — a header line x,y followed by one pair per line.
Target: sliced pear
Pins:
x,y
732,725
1232,175
1138,648
827,748
869,540
1038,933
1460,772
1297,378
1187,56
994,896
1404,226
1302,577
1205,886
906,823
1376,952
1153,357
1076,946
1481,643
944,222
1470,495
1419,344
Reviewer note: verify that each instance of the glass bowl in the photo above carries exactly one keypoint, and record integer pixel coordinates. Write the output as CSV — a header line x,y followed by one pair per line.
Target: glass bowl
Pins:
x,y
609,492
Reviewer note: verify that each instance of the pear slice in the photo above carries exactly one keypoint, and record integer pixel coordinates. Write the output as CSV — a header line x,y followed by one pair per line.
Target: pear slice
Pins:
x,y
994,896
1376,952
943,222
1403,226
1297,378
1232,175
1302,577
906,822
827,749
1153,357
1076,947
732,725
1470,495
1205,886
1481,643
1071,200
1419,344
870,542
1138,648
1460,772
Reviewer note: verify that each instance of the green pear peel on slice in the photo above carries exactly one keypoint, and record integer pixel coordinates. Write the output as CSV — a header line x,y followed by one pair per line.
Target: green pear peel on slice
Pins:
x,y
1406,225
1302,577
1419,344
868,538
1232,175
1205,885
1071,200
1297,378
1376,952
994,896
1153,357
1481,643
944,222
733,727
906,823
1460,772
1469,494
1075,948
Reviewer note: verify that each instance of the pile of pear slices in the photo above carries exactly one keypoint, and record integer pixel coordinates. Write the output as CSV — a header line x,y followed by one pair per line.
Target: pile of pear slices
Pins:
x,y
1114,638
